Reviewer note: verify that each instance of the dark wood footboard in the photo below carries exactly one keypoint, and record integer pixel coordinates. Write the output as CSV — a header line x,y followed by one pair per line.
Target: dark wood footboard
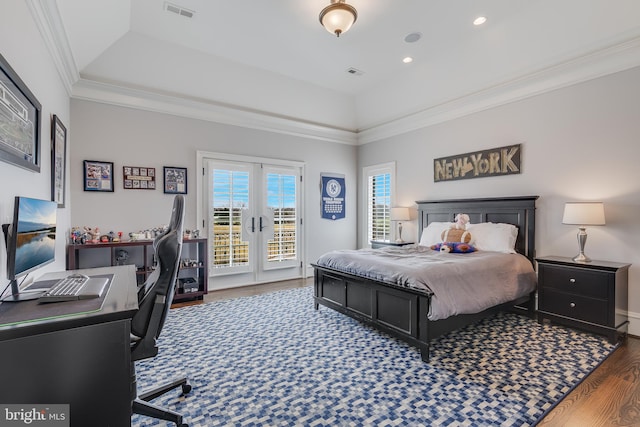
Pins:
x,y
402,312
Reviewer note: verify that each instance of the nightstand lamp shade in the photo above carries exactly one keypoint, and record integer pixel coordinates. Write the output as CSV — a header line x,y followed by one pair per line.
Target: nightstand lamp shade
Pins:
x,y
582,214
400,214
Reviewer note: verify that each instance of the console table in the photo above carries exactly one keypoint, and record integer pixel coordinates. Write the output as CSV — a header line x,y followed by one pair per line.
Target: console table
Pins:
x,y
192,278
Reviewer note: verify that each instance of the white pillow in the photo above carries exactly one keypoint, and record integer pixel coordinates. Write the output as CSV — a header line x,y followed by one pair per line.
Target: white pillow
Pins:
x,y
432,233
487,236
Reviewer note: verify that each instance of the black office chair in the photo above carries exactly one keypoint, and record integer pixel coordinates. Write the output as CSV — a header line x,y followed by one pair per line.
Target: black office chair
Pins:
x,y
154,303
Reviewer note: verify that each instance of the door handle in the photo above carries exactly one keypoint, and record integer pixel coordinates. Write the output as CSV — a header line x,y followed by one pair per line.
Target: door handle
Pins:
x,y
261,227
253,224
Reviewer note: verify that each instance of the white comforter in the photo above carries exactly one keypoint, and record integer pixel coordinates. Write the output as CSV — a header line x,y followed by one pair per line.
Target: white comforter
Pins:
x,y
460,283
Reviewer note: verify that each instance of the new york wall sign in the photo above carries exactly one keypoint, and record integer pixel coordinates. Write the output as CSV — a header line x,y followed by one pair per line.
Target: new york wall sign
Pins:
x,y
478,164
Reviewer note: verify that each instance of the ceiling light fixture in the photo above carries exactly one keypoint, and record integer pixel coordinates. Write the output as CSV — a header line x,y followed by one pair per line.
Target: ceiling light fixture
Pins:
x,y
338,17
407,60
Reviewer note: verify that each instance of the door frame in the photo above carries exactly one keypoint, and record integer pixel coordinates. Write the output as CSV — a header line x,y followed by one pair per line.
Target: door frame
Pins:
x,y
202,197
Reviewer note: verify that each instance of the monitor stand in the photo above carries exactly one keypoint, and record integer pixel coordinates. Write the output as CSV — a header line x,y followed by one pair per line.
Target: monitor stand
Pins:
x,y
22,295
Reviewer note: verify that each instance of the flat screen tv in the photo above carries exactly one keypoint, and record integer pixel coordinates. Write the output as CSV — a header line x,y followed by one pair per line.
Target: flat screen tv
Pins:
x,y
30,240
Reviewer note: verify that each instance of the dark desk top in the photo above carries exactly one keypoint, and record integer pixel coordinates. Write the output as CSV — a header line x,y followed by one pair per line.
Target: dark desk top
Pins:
x,y
25,318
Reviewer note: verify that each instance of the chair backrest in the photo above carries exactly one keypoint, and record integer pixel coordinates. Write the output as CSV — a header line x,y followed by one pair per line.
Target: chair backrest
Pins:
x,y
154,305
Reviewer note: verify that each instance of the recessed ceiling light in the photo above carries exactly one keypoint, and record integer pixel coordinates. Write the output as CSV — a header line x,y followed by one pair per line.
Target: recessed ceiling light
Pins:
x,y
479,20
413,37
407,60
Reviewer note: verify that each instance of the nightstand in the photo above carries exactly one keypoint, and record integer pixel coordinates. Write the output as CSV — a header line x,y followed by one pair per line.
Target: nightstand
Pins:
x,y
377,244
590,296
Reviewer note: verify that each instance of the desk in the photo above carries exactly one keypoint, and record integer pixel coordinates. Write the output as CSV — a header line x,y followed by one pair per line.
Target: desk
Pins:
x,y
76,358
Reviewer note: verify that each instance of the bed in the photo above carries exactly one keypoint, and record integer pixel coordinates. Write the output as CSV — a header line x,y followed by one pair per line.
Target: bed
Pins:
x,y
403,311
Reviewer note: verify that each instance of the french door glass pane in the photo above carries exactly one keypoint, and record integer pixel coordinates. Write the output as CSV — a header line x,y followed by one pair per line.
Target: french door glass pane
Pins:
x,y
281,200
230,198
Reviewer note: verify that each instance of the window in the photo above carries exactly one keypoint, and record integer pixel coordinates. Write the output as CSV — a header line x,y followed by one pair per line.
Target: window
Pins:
x,y
379,196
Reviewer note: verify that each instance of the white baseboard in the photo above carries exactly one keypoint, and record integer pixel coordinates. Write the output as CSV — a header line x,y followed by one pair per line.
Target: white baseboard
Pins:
x,y
634,323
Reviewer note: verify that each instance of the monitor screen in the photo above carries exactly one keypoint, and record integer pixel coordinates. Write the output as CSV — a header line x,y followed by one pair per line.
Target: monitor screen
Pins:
x,y
31,242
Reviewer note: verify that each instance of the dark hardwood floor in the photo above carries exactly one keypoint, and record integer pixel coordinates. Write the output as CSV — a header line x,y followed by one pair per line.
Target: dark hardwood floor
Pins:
x,y
609,397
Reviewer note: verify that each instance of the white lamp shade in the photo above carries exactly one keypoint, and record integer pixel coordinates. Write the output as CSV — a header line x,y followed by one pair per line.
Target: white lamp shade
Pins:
x,y
338,17
583,213
400,214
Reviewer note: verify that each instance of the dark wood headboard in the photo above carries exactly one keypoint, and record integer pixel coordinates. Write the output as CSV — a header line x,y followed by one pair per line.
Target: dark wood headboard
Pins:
x,y
519,211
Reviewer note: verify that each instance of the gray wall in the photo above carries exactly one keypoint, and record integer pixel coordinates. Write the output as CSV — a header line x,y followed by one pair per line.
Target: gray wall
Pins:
x,y
129,137
22,46
579,143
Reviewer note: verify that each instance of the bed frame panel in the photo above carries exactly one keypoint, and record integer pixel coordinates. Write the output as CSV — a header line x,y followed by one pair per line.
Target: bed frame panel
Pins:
x,y
402,312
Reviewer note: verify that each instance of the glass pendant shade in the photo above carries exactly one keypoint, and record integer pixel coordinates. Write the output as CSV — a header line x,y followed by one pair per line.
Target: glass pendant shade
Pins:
x,y
338,17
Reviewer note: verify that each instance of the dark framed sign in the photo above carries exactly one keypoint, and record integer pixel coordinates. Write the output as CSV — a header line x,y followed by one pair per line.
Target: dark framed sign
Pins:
x,y
138,178
19,121
479,164
98,176
175,180
58,160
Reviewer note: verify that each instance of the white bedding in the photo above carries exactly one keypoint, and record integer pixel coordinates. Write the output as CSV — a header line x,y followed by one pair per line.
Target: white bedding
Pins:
x,y
460,283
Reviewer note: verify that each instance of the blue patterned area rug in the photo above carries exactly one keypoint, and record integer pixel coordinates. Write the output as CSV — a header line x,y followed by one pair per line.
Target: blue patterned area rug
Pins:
x,y
272,360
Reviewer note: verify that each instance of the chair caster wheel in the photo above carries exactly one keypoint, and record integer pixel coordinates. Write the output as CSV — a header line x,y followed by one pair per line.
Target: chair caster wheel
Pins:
x,y
186,388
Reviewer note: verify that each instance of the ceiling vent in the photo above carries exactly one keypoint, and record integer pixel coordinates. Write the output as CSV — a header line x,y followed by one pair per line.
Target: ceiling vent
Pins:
x,y
178,10
355,71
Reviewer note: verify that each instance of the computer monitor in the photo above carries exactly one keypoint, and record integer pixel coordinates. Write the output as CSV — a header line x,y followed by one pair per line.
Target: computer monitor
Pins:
x,y
30,240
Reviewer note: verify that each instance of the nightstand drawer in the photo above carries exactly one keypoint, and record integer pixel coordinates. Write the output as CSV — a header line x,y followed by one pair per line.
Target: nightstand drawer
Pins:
x,y
575,307
578,281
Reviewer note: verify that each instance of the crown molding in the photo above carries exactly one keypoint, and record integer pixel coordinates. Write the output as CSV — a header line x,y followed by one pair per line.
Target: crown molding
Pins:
x,y
47,18
201,109
619,57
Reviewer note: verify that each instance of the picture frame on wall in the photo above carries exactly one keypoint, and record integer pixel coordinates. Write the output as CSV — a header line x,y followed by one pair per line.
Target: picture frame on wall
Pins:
x,y
19,121
58,161
175,180
138,178
98,176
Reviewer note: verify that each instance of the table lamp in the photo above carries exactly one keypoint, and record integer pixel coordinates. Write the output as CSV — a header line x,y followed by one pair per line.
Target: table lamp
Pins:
x,y
400,214
582,214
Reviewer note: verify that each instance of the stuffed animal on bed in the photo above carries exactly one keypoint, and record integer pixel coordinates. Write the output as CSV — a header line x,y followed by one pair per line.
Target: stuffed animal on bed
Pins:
x,y
458,231
453,247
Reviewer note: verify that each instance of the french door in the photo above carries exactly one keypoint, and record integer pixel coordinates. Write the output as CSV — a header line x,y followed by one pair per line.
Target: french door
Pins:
x,y
254,221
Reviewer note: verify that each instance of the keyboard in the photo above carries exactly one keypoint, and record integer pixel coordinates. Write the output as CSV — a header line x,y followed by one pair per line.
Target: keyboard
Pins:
x,y
75,287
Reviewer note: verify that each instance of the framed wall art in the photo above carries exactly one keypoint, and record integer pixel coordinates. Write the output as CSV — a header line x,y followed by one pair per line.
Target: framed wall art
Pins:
x,y
19,121
58,160
139,178
478,164
175,180
98,176
333,196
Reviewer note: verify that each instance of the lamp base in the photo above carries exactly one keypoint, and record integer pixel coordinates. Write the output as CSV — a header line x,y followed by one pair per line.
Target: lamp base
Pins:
x,y
581,257
582,239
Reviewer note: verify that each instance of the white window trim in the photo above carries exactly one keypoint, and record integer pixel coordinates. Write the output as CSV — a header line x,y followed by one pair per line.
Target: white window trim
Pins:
x,y
368,171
